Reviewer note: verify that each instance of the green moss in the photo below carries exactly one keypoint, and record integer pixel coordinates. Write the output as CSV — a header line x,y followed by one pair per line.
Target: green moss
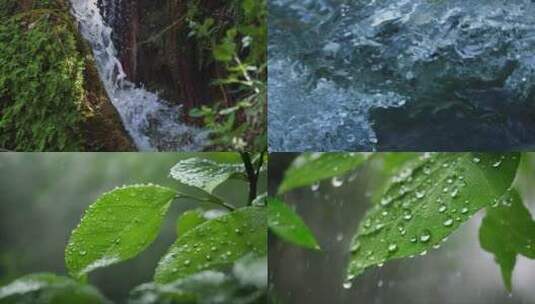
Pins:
x,y
41,80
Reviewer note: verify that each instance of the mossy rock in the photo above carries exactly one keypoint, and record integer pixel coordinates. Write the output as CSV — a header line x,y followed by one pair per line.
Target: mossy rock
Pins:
x,y
51,97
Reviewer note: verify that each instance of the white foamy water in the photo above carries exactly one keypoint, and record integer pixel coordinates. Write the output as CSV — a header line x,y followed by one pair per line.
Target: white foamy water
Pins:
x,y
153,124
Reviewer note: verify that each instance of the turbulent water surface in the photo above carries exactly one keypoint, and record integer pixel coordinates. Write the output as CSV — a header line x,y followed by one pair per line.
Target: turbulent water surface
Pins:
x,y
151,122
401,74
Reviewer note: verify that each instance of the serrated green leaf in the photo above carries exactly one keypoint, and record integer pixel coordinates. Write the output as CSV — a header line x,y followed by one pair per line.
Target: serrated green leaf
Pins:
x,y
189,220
285,223
45,288
426,201
506,231
206,174
117,227
215,244
310,168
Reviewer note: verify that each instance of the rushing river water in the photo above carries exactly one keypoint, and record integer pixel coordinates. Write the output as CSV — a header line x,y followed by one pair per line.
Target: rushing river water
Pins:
x,y
151,122
400,74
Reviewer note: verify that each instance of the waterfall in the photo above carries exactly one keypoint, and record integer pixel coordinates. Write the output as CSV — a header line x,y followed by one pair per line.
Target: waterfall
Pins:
x,y
153,124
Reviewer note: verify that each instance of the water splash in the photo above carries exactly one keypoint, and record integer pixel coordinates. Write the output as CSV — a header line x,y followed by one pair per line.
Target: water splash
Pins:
x,y
334,62
153,124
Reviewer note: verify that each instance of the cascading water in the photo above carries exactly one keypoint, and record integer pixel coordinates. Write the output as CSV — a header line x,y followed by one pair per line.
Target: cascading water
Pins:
x,y
151,122
362,75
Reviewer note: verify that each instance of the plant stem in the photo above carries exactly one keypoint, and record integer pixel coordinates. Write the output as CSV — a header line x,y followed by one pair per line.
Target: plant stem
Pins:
x,y
251,175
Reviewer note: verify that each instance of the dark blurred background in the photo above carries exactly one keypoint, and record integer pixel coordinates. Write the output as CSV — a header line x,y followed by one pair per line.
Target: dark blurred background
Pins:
x,y
43,196
458,272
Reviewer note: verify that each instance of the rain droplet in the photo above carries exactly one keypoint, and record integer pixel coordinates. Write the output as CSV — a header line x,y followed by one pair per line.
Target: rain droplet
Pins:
x,y
407,216
337,182
315,187
355,247
425,236
464,210
442,208
347,285
476,160
385,201
392,248
420,195
448,222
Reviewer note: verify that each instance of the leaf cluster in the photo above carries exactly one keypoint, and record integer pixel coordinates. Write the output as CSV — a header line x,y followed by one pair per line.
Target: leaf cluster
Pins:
x,y
223,249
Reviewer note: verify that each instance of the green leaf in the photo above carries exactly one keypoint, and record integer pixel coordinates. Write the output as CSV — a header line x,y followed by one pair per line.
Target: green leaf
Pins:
x,y
285,223
310,168
206,174
246,284
45,288
506,231
117,227
189,220
390,162
426,201
215,244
